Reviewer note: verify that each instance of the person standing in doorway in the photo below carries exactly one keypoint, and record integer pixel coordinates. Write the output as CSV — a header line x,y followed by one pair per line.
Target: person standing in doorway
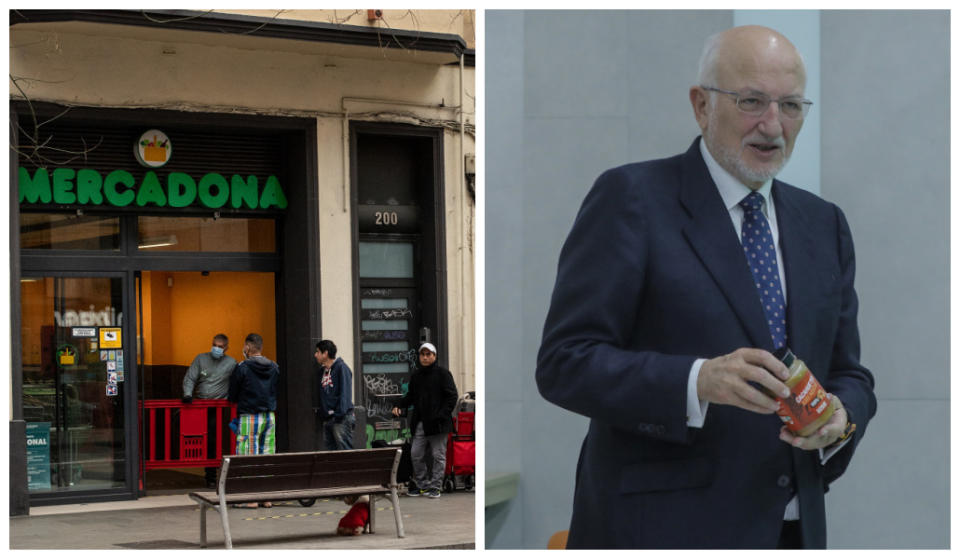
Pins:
x,y
433,396
336,404
253,386
208,378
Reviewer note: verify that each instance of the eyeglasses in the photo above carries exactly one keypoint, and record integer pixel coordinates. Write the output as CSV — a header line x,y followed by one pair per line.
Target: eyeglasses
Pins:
x,y
756,103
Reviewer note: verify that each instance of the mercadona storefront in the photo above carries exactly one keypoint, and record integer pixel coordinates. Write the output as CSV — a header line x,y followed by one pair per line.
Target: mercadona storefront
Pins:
x,y
144,232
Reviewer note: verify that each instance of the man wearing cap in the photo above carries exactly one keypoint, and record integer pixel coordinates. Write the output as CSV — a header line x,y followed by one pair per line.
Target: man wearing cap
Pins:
x,y
433,395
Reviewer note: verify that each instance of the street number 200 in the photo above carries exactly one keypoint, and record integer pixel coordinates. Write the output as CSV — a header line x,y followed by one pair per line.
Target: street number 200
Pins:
x,y
385,218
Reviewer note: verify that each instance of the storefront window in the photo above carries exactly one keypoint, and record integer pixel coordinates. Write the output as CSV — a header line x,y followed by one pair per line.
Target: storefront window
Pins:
x,y
384,324
395,356
383,303
386,346
206,234
73,374
385,368
69,232
386,260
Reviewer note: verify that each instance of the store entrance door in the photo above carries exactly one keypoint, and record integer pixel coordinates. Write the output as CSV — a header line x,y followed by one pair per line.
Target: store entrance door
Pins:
x,y
76,356
178,315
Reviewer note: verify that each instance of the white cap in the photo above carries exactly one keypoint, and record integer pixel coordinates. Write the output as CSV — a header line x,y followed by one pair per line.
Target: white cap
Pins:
x,y
429,346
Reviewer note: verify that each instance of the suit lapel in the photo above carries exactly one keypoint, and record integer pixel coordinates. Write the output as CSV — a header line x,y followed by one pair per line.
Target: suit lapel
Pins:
x,y
800,268
713,238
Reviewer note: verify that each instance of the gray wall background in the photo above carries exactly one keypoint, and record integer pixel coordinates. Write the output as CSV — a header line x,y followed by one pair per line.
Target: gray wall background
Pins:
x,y
570,94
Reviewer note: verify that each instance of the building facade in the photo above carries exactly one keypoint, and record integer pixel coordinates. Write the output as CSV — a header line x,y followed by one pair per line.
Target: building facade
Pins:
x,y
305,175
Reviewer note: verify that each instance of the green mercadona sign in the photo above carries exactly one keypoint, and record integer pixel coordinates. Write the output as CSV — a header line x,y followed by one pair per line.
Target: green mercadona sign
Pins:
x,y
120,189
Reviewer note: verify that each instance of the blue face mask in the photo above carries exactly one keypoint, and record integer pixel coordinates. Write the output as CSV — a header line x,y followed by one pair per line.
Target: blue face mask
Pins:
x,y
217,352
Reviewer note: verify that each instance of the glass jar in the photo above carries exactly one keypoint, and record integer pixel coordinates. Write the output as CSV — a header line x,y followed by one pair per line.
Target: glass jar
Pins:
x,y
809,406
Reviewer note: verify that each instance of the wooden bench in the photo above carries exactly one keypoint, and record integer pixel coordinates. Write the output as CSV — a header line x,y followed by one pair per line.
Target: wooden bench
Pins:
x,y
301,475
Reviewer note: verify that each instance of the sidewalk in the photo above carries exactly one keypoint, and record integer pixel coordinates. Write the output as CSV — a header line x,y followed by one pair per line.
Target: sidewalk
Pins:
x,y
173,522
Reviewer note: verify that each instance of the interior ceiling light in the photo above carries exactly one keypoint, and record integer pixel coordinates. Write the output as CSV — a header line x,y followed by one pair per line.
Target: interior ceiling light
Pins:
x,y
154,242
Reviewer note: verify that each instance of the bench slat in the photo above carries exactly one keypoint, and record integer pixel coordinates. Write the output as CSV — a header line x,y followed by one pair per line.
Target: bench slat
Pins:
x,y
282,483
212,498
336,456
241,470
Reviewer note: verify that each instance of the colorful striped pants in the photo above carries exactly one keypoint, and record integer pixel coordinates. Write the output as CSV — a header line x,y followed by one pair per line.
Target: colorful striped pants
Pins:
x,y
257,433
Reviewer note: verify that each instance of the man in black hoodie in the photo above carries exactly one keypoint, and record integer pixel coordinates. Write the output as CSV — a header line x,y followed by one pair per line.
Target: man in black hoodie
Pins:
x,y
253,386
433,395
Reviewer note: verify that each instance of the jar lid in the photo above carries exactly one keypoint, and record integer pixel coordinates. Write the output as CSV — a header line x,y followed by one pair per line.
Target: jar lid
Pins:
x,y
785,355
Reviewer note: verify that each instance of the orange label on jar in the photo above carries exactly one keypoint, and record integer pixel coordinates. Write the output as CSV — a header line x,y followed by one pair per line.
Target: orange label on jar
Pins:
x,y
807,402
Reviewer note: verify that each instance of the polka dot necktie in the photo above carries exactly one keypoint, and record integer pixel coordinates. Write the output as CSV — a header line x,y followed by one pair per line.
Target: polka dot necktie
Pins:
x,y
762,258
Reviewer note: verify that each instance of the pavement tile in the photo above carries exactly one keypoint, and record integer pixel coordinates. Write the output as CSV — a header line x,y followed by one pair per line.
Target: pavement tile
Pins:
x,y
173,523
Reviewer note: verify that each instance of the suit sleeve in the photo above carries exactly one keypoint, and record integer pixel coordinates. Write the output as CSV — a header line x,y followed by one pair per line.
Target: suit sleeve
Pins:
x,y
848,379
586,363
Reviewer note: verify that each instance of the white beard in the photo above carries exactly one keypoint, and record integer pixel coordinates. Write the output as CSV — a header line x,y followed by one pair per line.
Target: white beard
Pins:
x,y
734,163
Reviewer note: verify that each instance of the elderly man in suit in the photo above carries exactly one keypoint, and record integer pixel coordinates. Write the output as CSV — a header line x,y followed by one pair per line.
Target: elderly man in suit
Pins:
x,y
665,315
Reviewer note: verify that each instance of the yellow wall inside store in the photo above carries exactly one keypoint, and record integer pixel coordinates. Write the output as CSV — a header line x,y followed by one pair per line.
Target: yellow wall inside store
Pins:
x,y
180,320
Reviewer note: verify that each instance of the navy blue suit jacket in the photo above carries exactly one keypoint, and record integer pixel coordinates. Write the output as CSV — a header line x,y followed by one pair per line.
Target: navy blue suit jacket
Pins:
x,y
652,277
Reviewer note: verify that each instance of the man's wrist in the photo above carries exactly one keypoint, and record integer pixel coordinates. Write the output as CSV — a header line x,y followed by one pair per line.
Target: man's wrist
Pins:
x,y
848,431
849,427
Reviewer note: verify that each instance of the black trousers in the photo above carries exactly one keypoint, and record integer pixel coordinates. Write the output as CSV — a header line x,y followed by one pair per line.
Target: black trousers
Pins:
x,y
790,535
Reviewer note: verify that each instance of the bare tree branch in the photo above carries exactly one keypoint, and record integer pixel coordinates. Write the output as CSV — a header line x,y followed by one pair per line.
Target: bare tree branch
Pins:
x,y
148,17
264,24
37,80
53,118
35,151
339,21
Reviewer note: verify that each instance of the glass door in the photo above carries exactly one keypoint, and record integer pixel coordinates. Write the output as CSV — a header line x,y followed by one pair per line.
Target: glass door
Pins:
x,y
389,331
73,374
388,345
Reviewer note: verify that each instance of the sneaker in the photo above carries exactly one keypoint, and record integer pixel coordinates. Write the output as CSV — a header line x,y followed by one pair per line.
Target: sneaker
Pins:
x,y
413,492
433,493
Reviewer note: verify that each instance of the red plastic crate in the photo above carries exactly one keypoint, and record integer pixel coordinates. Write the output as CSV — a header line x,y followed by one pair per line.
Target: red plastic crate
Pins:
x,y
192,437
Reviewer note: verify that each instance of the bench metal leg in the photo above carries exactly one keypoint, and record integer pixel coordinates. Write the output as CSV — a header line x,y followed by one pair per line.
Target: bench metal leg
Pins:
x,y
372,524
396,512
225,520
368,527
203,525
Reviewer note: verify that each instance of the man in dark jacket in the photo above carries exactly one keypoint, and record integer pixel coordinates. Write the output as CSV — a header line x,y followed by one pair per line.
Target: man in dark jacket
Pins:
x,y
433,396
336,405
253,386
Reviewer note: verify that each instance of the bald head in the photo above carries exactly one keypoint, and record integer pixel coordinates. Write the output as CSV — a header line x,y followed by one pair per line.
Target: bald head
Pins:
x,y
743,52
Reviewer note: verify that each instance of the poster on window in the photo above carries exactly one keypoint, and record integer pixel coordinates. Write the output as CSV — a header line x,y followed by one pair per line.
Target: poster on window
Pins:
x,y
38,455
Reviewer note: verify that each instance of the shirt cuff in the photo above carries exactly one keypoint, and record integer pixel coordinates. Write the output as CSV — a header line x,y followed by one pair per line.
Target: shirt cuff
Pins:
x,y
696,410
830,451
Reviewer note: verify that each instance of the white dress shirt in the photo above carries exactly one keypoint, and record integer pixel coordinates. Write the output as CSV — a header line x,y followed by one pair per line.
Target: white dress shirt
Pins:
x,y
732,191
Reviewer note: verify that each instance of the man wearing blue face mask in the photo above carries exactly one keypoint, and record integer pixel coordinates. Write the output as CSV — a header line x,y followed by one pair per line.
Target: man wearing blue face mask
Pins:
x,y
208,377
